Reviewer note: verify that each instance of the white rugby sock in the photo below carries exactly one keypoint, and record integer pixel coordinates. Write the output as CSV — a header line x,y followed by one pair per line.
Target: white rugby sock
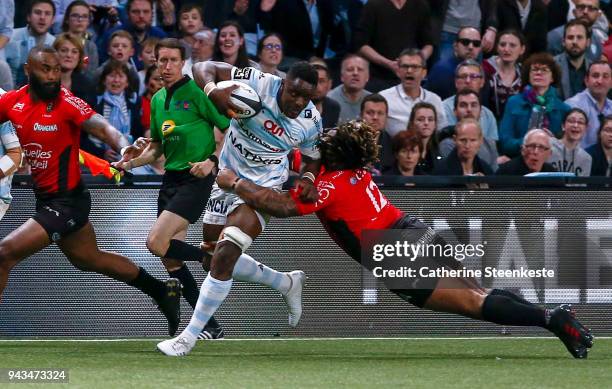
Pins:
x,y
212,295
249,270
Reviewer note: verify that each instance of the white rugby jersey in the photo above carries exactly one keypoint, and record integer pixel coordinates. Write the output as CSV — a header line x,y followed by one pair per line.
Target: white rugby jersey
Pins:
x,y
9,141
257,148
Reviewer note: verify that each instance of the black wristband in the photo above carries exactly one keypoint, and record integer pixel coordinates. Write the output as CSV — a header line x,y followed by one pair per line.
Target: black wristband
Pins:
x,y
214,158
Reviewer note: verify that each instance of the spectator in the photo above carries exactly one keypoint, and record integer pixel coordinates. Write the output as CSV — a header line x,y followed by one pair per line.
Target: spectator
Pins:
x,y
538,106
202,50
7,17
503,71
567,155
139,26
40,18
467,46
530,17
189,23
535,151
71,58
354,74
147,56
270,54
601,152
119,104
105,16
463,160
407,149
385,29
449,16
374,110
328,108
469,75
304,25
153,82
587,11
467,106
402,97
76,22
423,121
121,48
6,79
594,100
229,46
572,61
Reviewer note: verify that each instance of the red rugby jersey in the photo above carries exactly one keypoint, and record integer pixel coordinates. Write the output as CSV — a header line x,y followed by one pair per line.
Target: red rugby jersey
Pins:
x,y
349,202
49,133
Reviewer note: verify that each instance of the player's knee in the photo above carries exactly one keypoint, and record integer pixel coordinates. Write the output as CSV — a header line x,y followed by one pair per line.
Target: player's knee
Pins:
x,y
236,236
8,258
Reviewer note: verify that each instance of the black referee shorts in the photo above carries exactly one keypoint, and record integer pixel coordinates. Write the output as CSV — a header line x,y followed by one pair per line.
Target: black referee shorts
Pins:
x,y
184,194
62,214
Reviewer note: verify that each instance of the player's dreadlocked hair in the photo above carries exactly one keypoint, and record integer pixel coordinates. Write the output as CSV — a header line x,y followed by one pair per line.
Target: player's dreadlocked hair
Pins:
x,y
352,145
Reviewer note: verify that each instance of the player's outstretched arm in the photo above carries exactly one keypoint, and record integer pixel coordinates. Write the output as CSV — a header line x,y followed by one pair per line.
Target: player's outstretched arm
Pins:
x,y
308,193
263,199
9,163
99,127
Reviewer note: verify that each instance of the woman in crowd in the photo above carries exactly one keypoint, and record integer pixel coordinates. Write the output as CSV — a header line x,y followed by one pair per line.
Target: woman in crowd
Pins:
x,y
423,123
270,54
71,58
119,105
503,71
230,47
153,83
567,155
601,152
537,106
76,22
407,148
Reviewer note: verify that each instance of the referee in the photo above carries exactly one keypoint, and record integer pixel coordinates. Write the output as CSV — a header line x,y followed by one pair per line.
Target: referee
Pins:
x,y
182,129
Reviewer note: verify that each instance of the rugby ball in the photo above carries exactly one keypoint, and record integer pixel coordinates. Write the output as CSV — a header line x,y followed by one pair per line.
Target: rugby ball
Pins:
x,y
245,97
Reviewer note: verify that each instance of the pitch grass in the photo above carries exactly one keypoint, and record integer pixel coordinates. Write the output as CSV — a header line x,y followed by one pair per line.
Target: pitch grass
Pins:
x,y
383,363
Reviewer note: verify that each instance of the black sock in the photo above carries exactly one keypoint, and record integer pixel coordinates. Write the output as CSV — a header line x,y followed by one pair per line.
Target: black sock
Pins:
x,y
190,287
506,311
515,297
190,290
183,251
148,284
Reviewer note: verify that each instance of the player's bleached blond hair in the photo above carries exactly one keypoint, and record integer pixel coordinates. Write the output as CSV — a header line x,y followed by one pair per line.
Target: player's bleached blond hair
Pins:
x,y
351,145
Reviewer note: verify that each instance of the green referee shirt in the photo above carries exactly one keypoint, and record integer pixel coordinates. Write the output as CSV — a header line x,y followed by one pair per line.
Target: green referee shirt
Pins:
x,y
183,119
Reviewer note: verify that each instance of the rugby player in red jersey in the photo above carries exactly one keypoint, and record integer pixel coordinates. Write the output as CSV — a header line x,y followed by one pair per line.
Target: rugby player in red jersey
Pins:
x,y
350,202
48,120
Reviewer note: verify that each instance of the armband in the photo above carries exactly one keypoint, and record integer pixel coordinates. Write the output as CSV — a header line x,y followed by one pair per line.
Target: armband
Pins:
x,y
209,87
310,176
7,165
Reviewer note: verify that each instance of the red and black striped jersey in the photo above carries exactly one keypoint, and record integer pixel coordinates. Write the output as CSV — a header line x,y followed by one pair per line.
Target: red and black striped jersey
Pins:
x,y
49,132
349,202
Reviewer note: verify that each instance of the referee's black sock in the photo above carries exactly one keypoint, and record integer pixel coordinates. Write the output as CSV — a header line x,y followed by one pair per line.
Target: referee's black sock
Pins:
x,y
190,287
506,311
515,297
184,251
148,284
190,290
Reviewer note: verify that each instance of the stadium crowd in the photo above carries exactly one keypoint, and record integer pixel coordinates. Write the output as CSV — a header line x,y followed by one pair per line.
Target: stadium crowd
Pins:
x,y
454,87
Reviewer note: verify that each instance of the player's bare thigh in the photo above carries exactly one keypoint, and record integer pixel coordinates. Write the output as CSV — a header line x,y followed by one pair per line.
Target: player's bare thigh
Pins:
x,y
27,239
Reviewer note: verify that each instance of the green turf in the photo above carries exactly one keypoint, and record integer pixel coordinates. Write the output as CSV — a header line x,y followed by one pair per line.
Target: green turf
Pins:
x,y
389,363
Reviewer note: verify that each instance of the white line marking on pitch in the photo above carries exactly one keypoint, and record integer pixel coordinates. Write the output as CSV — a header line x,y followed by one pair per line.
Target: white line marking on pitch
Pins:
x,y
295,339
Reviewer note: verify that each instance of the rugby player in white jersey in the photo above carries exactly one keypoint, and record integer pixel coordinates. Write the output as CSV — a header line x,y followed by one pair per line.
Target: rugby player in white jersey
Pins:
x,y
256,149
10,159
